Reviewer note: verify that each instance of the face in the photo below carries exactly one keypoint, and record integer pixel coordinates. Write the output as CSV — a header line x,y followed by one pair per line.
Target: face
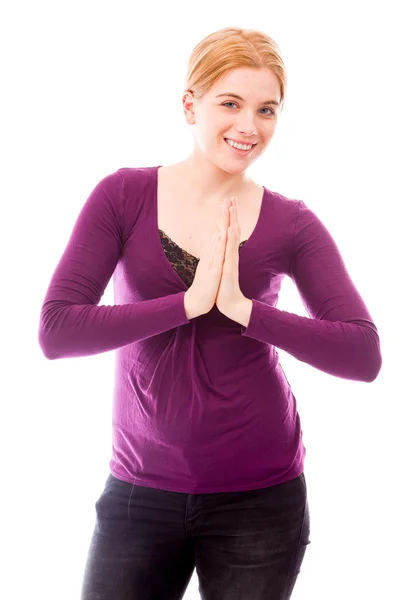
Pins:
x,y
219,116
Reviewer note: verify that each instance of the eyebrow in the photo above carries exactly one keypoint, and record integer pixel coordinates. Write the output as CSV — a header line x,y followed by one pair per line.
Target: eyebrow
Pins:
x,y
240,98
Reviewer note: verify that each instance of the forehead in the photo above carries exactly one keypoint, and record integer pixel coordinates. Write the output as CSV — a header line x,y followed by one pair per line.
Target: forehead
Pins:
x,y
247,81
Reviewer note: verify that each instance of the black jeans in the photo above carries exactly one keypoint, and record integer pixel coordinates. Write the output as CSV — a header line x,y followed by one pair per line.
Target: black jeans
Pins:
x,y
244,545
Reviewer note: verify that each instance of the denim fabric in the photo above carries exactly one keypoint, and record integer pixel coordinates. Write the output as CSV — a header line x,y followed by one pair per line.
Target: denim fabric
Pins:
x,y
244,545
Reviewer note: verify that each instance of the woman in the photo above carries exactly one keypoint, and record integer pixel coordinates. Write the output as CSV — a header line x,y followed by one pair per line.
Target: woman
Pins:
x,y
207,462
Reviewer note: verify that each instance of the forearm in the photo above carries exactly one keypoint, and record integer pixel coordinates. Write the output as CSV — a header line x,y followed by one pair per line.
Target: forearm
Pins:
x,y
76,330
350,350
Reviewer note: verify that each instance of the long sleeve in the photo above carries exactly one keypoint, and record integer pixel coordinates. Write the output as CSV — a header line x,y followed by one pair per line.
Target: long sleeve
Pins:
x,y
71,324
340,338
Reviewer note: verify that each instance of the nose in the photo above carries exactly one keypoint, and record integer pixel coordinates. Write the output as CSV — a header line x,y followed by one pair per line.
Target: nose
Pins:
x,y
247,129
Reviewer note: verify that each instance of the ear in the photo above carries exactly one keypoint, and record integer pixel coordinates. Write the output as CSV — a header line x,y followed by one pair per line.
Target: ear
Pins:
x,y
188,107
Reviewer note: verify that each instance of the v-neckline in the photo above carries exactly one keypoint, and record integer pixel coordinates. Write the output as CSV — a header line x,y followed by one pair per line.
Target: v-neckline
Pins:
x,y
157,229
185,251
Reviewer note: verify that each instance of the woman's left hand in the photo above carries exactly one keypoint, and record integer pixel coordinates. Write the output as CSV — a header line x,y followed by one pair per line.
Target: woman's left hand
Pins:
x,y
229,293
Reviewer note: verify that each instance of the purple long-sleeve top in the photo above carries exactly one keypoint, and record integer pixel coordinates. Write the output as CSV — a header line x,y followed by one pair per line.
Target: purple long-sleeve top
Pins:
x,y
203,405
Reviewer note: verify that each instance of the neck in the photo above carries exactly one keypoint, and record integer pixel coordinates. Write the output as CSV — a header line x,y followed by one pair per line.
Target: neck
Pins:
x,y
206,183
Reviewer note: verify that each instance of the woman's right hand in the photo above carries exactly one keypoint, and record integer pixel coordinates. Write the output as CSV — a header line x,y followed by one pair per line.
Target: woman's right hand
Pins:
x,y
200,298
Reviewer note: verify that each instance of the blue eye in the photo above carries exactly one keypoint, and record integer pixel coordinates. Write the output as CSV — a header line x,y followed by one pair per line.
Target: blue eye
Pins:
x,y
264,108
267,108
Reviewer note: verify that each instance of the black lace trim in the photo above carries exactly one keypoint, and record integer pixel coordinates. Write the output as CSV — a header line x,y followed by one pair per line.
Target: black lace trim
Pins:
x,y
184,263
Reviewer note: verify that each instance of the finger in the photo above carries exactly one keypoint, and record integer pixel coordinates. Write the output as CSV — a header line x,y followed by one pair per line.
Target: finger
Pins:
x,y
230,254
235,219
234,212
213,248
222,219
234,238
230,242
227,214
221,251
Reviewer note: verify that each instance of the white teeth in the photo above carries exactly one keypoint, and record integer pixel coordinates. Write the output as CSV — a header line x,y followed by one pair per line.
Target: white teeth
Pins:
x,y
239,146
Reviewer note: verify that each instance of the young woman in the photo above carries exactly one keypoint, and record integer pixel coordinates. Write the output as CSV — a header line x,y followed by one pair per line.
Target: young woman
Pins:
x,y
207,464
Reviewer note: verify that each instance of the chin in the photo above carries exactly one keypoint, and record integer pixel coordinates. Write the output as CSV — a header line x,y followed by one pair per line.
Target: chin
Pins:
x,y
231,168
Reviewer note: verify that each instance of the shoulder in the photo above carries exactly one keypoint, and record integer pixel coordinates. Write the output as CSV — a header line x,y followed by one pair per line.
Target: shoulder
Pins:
x,y
125,177
127,183
137,177
298,210
282,208
122,192
279,198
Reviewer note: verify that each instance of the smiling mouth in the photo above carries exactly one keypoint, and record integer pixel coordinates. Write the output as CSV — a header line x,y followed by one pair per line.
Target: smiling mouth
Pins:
x,y
239,150
252,145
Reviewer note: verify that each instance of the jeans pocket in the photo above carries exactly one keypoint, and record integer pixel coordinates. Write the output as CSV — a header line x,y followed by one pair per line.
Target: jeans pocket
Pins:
x,y
304,540
112,507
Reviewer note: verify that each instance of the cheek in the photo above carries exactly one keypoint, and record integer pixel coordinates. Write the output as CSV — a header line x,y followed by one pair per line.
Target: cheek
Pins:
x,y
272,128
210,129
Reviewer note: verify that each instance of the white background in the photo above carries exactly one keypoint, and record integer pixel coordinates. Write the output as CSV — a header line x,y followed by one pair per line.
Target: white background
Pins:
x,y
89,87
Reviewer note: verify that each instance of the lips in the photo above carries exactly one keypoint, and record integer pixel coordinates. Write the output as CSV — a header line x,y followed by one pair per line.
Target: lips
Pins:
x,y
238,142
238,151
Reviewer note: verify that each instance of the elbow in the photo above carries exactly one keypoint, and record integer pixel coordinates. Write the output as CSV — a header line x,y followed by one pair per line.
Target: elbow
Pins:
x,y
52,317
374,370
373,367
370,357
48,338
46,346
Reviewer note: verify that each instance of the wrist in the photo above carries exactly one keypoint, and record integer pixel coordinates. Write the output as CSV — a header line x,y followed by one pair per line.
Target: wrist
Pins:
x,y
191,311
241,311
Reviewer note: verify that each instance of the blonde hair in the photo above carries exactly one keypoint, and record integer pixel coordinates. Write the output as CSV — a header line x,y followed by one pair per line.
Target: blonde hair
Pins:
x,y
231,48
